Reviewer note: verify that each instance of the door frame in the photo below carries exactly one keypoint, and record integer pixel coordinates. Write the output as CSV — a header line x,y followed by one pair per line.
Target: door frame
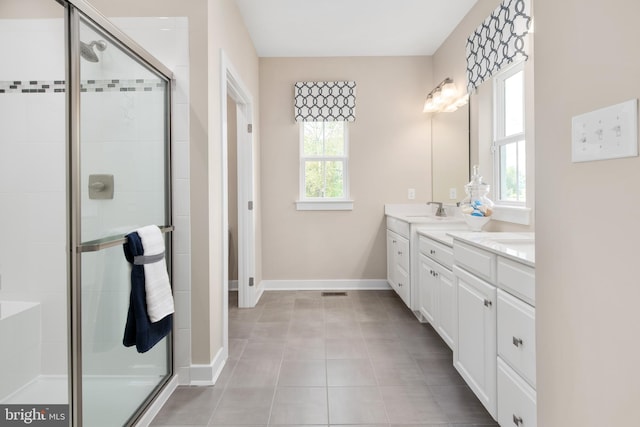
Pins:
x,y
231,85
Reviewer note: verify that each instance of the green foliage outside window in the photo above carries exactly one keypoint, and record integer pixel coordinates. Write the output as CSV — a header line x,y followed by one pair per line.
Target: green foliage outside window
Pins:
x,y
324,148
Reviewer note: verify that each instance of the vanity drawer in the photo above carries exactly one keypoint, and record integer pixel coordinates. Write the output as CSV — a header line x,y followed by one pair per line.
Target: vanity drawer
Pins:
x,y
516,399
518,279
398,226
477,261
517,335
437,251
402,247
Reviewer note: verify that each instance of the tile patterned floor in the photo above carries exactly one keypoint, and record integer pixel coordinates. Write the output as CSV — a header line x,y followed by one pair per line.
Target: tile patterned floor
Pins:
x,y
301,359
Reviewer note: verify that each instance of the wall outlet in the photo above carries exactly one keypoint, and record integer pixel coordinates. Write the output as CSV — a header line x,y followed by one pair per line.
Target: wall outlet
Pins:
x,y
453,194
411,193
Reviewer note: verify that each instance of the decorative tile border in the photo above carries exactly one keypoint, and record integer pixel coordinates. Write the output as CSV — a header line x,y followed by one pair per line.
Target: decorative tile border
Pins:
x,y
59,86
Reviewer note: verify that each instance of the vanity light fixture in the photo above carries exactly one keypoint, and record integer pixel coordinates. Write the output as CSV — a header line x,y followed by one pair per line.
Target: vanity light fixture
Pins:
x,y
445,98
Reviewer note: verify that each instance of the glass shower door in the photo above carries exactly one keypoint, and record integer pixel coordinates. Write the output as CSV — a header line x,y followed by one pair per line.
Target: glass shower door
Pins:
x,y
124,185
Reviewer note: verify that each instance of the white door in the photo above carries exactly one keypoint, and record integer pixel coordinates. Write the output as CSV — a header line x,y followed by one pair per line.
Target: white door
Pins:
x,y
246,212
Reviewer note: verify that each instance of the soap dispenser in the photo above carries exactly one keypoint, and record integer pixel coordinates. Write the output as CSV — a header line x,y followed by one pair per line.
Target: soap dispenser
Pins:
x,y
476,208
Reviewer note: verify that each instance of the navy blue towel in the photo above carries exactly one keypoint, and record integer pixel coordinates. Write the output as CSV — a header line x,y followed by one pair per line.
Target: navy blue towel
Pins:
x,y
139,330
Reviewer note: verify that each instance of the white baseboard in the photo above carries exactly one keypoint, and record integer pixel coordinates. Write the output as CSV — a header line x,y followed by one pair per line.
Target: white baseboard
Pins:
x,y
233,285
324,285
204,375
155,407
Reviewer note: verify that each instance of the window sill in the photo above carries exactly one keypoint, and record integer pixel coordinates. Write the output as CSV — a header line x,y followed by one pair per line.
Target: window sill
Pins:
x,y
324,205
514,214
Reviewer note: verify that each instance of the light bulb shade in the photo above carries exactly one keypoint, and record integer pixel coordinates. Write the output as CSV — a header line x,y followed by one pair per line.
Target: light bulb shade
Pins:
x,y
428,105
462,100
450,108
449,91
438,99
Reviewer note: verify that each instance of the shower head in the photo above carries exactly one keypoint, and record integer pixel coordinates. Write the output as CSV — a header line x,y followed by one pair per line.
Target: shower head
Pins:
x,y
87,52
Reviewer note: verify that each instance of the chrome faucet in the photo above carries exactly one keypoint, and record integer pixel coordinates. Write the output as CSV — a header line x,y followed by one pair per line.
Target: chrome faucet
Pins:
x,y
440,211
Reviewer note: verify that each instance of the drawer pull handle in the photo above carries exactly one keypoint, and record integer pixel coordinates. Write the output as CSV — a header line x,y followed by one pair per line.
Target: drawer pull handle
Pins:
x,y
517,341
394,242
487,303
517,420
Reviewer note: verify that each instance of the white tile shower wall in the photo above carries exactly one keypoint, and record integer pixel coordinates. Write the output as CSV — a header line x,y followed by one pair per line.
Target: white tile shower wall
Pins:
x,y
168,40
33,184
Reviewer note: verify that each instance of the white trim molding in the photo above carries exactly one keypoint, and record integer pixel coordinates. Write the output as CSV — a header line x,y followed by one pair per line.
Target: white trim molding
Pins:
x,y
514,214
324,205
325,285
206,375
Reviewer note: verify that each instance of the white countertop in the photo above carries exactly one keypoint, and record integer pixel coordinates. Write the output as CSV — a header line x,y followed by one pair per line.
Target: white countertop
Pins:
x,y
519,247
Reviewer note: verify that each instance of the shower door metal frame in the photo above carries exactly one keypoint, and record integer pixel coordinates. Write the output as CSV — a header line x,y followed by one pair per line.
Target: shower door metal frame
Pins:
x,y
75,11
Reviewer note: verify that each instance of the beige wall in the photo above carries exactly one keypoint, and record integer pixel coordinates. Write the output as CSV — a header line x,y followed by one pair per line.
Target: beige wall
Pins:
x,y
226,31
588,321
389,153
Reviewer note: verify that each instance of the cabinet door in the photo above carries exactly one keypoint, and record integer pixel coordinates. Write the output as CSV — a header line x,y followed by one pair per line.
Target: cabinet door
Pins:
x,y
428,287
403,285
475,350
447,306
392,241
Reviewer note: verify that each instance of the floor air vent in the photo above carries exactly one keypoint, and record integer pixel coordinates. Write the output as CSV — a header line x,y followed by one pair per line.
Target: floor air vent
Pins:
x,y
334,294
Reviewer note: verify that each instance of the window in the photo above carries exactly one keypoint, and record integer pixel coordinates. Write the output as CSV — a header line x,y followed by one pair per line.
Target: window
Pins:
x,y
509,137
324,166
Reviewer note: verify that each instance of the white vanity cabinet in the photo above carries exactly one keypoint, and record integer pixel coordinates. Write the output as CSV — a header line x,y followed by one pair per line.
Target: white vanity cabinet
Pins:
x,y
516,344
402,248
436,284
398,273
495,343
475,351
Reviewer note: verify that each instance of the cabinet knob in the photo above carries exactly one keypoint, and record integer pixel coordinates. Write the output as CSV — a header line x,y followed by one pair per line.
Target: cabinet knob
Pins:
x,y
399,252
394,242
517,341
400,284
487,303
432,252
517,420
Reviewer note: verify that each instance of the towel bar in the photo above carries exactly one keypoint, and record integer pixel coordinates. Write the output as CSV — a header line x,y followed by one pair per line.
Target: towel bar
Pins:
x,y
111,241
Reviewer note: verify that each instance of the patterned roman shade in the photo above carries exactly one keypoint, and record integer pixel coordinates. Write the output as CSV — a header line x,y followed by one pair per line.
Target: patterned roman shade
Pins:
x,y
325,101
500,40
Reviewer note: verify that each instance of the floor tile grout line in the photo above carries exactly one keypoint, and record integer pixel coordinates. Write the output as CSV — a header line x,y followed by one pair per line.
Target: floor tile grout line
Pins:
x,y
275,388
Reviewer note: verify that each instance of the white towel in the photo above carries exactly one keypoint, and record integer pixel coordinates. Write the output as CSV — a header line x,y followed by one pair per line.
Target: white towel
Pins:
x,y
156,279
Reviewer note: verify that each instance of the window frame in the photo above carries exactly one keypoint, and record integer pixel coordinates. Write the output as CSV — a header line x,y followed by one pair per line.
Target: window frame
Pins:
x,y
324,203
499,128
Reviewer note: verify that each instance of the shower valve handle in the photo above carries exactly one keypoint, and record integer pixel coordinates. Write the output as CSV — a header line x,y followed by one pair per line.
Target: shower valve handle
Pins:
x,y
98,186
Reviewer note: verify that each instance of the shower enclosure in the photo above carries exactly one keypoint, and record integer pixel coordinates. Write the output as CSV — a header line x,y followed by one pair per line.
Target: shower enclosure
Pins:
x,y
84,159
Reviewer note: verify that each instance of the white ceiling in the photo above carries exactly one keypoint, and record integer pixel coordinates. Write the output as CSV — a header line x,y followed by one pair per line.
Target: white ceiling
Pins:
x,y
293,28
